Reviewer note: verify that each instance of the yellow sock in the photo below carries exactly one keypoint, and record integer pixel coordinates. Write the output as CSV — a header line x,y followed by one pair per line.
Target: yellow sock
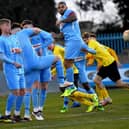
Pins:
x,y
79,94
98,91
82,100
104,93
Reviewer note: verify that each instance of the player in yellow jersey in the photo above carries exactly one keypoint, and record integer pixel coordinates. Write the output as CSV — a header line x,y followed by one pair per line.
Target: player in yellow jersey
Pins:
x,y
104,97
108,65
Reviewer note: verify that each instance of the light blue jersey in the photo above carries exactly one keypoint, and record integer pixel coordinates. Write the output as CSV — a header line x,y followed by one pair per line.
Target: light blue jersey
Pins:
x,y
40,43
70,30
7,47
72,37
14,76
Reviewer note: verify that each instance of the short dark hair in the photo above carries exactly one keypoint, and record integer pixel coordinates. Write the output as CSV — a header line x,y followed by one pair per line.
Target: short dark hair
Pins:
x,y
25,22
16,25
93,35
4,20
62,2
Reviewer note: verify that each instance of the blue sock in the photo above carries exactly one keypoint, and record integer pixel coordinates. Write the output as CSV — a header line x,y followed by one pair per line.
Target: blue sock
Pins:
x,y
60,72
43,95
81,90
69,74
10,103
18,105
35,96
91,91
66,101
27,100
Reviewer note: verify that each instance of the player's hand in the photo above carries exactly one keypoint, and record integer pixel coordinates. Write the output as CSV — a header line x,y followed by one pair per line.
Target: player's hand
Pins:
x,y
16,50
17,65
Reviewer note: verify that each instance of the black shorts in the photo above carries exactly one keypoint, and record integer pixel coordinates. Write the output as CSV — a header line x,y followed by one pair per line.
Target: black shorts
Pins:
x,y
110,71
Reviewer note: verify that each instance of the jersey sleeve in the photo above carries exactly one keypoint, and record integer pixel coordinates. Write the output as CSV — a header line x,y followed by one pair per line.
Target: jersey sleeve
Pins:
x,y
66,14
28,31
2,48
3,57
46,38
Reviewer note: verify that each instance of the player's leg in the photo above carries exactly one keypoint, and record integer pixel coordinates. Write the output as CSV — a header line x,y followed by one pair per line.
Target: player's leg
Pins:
x,y
82,76
60,72
14,92
45,77
86,99
35,96
44,62
71,52
30,77
76,83
115,76
68,63
102,90
19,99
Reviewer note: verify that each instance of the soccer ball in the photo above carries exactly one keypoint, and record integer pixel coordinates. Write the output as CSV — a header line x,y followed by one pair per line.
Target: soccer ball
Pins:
x,y
126,35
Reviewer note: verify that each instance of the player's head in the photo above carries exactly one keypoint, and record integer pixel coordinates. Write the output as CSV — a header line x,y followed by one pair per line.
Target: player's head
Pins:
x,y
27,24
86,36
15,27
5,25
61,7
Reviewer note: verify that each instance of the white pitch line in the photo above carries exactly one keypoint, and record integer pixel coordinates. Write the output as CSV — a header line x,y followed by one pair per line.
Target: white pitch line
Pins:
x,y
75,123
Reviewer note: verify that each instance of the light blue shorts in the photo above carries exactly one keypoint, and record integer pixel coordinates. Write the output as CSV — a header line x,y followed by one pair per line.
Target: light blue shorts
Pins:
x,y
31,77
45,75
15,81
72,49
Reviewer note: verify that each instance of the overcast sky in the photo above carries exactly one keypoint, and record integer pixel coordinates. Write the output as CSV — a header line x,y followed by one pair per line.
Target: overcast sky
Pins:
x,y
110,13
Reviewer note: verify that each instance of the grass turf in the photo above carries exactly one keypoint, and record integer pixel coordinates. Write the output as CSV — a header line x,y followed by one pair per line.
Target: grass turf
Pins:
x,y
115,116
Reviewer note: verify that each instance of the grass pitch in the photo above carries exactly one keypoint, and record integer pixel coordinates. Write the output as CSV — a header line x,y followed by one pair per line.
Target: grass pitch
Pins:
x,y
115,116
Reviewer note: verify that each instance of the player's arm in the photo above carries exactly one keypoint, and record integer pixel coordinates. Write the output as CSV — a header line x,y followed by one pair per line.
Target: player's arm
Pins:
x,y
47,38
86,48
31,31
8,60
113,53
90,59
4,58
67,18
71,17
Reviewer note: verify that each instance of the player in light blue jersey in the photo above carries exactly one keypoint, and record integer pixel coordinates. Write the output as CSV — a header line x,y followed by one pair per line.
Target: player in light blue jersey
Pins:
x,y
32,62
39,90
13,68
75,47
